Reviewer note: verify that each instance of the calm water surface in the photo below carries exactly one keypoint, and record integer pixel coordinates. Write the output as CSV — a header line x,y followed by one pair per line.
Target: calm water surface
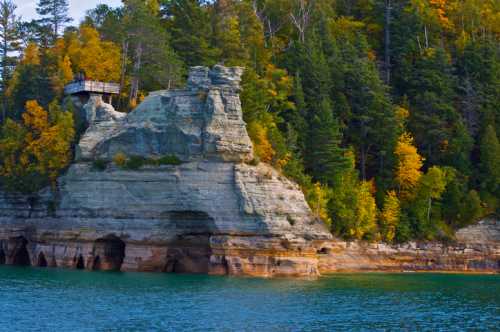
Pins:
x,y
63,300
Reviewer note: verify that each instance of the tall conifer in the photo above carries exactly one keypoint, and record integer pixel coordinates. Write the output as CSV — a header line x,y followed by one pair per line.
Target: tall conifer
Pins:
x,y
55,14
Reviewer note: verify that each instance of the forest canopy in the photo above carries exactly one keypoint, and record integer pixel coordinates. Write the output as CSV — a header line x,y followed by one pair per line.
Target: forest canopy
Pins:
x,y
386,112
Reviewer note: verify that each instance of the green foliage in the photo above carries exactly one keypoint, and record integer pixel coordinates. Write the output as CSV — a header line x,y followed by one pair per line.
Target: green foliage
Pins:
x,y
424,209
29,82
169,160
490,161
135,162
100,164
352,207
54,14
327,157
190,32
312,92
318,197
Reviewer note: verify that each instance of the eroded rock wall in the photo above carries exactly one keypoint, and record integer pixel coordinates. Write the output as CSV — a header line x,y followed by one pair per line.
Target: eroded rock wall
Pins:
x,y
476,249
206,216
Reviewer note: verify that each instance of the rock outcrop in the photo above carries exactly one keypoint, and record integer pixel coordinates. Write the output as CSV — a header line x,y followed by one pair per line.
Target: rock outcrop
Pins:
x,y
476,249
213,213
103,122
204,121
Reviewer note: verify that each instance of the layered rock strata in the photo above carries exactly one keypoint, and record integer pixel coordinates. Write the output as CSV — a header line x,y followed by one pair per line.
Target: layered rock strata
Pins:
x,y
213,213
476,249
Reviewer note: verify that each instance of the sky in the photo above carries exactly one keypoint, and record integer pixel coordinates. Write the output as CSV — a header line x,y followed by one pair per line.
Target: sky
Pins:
x,y
77,8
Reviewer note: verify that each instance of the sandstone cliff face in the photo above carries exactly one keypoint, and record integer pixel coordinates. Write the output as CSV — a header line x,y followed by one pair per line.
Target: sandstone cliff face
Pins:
x,y
476,249
212,214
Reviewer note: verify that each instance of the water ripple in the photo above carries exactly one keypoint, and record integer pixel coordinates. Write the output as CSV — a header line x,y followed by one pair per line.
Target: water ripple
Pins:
x,y
61,300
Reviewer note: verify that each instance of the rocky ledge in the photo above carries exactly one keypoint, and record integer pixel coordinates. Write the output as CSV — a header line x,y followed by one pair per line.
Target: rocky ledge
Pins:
x,y
212,213
475,249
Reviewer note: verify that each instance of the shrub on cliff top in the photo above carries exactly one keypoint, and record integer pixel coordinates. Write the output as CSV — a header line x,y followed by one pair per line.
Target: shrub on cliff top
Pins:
x,y
100,164
135,162
169,160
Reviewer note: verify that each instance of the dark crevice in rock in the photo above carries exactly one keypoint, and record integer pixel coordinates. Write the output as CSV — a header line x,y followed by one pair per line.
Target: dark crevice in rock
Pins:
x,y
80,264
53,262
323,251
42,261
2,257
225,265
171,265
96,265
18,253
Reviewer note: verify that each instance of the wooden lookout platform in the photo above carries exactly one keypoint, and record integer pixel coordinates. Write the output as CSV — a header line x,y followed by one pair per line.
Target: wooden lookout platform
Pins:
x,y
84,88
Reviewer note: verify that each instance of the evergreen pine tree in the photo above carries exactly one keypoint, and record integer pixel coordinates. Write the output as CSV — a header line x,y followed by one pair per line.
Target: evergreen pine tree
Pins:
x,y
9,44
326,156
187,22
54,13
490,160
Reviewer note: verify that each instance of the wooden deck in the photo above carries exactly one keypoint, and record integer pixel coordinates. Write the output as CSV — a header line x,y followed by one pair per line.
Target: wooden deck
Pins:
x,y
92,87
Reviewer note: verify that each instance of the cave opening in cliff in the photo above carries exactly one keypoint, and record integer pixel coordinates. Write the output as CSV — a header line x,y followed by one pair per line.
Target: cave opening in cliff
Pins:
x,y
110,253
19,252
42,261
189,253
2,257
80,264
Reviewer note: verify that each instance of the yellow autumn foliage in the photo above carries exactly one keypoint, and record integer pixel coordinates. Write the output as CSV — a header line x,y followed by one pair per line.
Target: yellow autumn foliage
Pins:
x,y
35,118
318,197
408,170
63,74
98,60
389,216
120,159
365,210
262,147
35,151
31,55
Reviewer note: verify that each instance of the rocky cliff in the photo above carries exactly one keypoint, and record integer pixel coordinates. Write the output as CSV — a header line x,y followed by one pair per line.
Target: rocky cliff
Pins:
x,y
213,213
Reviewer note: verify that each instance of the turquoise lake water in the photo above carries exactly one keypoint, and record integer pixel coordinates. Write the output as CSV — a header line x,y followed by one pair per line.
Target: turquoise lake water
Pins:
x,y
64,300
